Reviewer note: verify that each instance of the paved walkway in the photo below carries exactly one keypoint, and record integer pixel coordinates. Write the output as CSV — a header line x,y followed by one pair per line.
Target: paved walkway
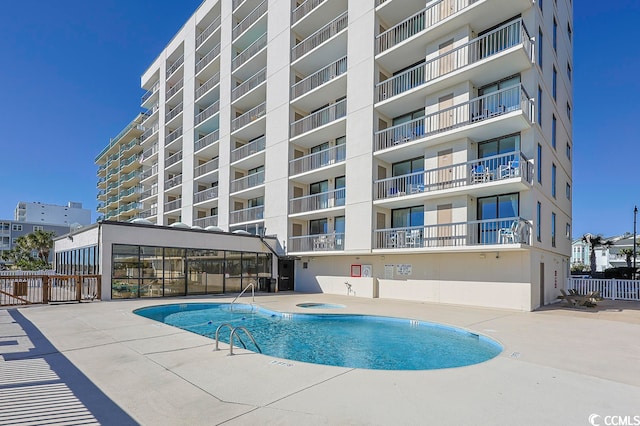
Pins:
x,y
107,365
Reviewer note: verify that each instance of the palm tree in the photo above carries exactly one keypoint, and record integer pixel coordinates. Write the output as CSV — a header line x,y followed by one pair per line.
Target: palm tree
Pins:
x,y
42,242
628,254
595,241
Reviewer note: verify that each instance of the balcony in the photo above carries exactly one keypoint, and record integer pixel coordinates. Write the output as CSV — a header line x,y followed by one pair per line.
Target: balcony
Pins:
x,y
149,132
148,153
504,173
482,234
173,159
319,37
319,119
149,172
248,149
173,205
172,90
207,85
207,167
318,160
248,85
249,117
173,182
173,113
247,215
211,28
207,140
203,222
149,93
206,195
252,18
153,211
174,66
321,78
129,164
505,111
315,243
147,193
305,8
502,52
131,207
173,135
246,182
244,56
149,113
316,202
207,58
209,111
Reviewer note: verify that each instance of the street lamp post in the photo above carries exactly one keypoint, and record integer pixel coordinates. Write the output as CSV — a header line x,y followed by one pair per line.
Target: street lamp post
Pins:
x,y
635,213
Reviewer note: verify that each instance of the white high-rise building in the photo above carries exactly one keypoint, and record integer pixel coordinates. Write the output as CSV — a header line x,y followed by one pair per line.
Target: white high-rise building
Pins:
x,y
71,214
398,149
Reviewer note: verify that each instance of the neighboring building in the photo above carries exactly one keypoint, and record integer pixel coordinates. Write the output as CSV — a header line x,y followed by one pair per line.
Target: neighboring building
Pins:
x,y
606,256
579,252
71,214
618,259
119,169
428,148
10,230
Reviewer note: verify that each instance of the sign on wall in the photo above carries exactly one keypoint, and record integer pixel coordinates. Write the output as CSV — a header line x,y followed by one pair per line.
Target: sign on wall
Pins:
x,y
403,269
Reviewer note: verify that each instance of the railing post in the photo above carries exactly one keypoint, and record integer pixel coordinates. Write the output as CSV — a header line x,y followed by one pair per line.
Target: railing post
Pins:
x,y
99,289
614,288
45,289
78,281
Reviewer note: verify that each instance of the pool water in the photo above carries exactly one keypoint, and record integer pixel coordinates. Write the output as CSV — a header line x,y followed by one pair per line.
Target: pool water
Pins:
x,y
355,341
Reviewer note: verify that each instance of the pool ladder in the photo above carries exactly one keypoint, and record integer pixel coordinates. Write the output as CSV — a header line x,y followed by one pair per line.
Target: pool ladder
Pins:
x,y
234,333
253,294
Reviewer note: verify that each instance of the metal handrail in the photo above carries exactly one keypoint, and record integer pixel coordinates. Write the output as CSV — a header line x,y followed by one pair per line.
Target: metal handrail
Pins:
x,y
253,294
207,112
204,87
249,84
175,88
320,36
249,20
220,327
319,118
319,78
174,66
207,31
248,53
207,140
233,333
207,58
302,10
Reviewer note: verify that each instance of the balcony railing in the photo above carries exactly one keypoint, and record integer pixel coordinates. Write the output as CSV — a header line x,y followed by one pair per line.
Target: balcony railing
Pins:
x,y
207,140
174,66
319,37
128,161
173,135
248,149
247,182
175,88
485,170
249,116
133,190
426,18
207,112
318,242
127,147
153,211
207,194
251,18
236,3
207,167
173,205
302,10
319,78
149,192
207,85
173,159
247,215
174,112
149,132
147,173
150,92
513,230
317,160
173,182
319,118
203,222
129,207
249,52
211,28
249,84
324,200
485,107
206,59
490,44
149,112
379,2
149,152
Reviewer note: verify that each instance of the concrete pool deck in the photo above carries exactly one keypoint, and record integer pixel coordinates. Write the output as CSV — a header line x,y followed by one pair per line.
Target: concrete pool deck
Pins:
x,y
559,366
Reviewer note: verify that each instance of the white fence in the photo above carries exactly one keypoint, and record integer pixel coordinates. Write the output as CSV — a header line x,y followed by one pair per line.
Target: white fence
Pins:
x,y
609,289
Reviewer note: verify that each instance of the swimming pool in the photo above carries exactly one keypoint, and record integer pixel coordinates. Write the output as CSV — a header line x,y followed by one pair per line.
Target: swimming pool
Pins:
x,y
355,341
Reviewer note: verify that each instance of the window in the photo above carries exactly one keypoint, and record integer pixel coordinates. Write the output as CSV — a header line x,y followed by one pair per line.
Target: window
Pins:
x,y
568,191
538,218
554,87
501,145
539,164
410,216
569,71
554,171
318,226
38,228
555,34
15,227
569,111
568,151
554,125
540,48
407,167
490,209
341,183
553,229
541,6
568,231
569,32
540,106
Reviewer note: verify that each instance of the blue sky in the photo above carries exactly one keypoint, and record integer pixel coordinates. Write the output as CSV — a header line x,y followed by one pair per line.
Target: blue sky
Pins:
x,y
71,72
